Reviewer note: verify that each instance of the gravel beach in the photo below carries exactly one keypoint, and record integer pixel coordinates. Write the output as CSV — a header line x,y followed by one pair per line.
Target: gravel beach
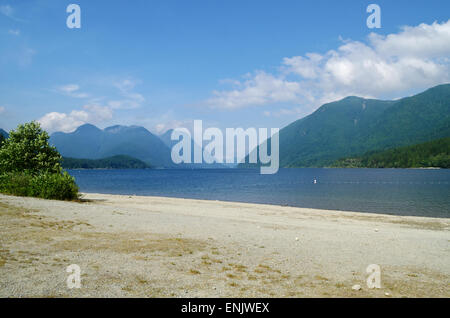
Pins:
x,y
132,246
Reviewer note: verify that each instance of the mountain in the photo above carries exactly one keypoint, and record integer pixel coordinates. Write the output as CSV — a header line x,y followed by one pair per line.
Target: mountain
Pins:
x,y
354,126
434,153
90,142
4,133
115,162
165,138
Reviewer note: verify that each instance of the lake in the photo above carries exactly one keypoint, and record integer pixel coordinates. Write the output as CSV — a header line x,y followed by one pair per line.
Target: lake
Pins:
x,y
418,192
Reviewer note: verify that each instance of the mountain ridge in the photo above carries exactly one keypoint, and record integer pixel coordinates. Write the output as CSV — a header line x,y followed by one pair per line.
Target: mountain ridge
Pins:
x,y
355,125
91,142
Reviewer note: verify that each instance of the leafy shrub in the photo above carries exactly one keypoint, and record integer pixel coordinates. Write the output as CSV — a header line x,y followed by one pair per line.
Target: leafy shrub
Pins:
x,y
30,166
28,149
46,185
15,183
53,186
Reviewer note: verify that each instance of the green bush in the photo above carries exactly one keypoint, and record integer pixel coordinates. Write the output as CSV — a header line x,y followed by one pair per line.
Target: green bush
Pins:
x,y
28,149
46,185
15,183
30,166
54,186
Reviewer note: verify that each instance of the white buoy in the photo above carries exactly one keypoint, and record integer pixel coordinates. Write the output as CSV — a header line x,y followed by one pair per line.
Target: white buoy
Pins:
x,y
315,181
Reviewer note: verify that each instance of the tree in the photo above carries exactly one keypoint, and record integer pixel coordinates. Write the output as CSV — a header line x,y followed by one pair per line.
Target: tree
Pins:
x,y
27,150
2,139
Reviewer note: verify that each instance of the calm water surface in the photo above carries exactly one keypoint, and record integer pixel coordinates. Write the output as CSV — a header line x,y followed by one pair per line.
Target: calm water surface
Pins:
x,y
417,192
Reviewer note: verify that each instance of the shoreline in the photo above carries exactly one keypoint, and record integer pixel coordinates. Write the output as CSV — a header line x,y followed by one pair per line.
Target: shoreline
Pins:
x,y
362,213
143,246
310,212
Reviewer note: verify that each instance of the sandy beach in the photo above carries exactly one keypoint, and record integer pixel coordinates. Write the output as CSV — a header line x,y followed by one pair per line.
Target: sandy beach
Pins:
x,y
131,246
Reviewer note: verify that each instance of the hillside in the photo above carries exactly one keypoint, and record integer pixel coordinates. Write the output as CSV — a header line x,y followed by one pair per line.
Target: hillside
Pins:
x,y
115,162
434,153
353,126
4,133
90,142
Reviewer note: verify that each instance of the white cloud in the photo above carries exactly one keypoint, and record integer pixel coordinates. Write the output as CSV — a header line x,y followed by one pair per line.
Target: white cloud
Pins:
x,y
263,88
2,109
162,127
97,109
424,40
127,98
131,99
125,103
159,128
68,122
159,123
126,85
411,60
306,67
284,112
72,90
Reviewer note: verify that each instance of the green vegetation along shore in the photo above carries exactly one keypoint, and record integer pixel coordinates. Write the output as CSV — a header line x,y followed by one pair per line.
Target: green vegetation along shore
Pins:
x,y
29,166
114,162
434,153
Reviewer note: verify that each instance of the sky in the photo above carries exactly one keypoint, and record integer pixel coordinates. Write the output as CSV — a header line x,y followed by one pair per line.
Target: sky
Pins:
x,y
230,63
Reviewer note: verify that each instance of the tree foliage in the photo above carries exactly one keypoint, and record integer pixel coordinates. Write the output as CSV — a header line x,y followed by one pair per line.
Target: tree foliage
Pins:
x,y
429,154
115,162
29,166
27,149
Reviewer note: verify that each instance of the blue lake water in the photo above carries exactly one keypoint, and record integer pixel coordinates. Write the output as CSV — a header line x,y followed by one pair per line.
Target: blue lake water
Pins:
x,y
416,192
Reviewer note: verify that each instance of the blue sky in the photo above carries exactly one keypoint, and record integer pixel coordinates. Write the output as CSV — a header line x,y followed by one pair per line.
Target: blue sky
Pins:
x,y
162,64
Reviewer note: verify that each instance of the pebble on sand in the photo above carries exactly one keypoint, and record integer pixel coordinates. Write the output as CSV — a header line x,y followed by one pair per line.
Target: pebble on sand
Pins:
x,y
356,287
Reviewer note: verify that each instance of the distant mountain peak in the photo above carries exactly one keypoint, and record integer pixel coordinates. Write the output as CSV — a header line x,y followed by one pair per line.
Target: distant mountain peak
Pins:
x,y
90,142
355,98
87,128
114,129
166,133
120,128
